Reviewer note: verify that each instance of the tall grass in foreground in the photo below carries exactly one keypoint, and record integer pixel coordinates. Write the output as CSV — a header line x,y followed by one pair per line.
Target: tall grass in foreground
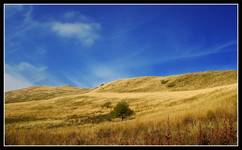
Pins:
x,y
217,127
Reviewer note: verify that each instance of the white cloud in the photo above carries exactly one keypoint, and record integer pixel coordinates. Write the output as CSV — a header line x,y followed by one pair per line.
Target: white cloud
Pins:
x,y
26,74
15,81
87,33
34,73
70,24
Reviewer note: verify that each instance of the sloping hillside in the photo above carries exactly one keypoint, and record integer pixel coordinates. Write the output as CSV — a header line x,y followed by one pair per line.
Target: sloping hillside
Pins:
x,y
191,81
197,108
41,92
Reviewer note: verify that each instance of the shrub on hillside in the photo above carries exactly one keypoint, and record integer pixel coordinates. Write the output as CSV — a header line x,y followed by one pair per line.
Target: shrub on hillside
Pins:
x,y
122,110
171,84
164,81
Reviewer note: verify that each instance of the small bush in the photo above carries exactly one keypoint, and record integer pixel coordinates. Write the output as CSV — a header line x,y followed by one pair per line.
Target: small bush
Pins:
x,y
171,84
164,81
122,110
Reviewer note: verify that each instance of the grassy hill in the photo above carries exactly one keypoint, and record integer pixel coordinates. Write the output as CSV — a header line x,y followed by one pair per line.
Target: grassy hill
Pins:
x,y
191,81
41,92
195,108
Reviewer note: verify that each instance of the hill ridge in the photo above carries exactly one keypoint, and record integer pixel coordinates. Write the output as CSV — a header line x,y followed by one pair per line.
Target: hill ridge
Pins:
x,y
181,82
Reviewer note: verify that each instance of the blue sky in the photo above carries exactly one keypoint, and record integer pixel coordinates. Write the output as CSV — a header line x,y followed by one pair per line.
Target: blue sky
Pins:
x,y
85,46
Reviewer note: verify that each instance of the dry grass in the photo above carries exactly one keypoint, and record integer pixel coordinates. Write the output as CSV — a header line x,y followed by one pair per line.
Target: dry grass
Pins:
x,y
191,81
41,93
172,117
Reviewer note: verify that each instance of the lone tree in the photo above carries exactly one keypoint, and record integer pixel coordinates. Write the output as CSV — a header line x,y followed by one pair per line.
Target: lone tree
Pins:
x,y
122,110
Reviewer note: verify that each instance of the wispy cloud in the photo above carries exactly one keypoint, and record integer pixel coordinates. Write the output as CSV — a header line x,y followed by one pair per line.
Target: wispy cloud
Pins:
x,y
87,33
143,60
26,24
208,51
97,73
34,73
15,81
26,74
70,24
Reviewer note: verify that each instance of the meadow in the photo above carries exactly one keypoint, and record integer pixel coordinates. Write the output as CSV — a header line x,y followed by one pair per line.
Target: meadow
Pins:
x,y
189,109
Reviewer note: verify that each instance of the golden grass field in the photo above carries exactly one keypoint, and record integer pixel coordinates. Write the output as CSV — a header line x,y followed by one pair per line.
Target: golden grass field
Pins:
x,y
189,109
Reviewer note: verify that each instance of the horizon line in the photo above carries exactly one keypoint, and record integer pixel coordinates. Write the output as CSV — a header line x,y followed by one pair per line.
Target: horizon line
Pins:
x,y
178,74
